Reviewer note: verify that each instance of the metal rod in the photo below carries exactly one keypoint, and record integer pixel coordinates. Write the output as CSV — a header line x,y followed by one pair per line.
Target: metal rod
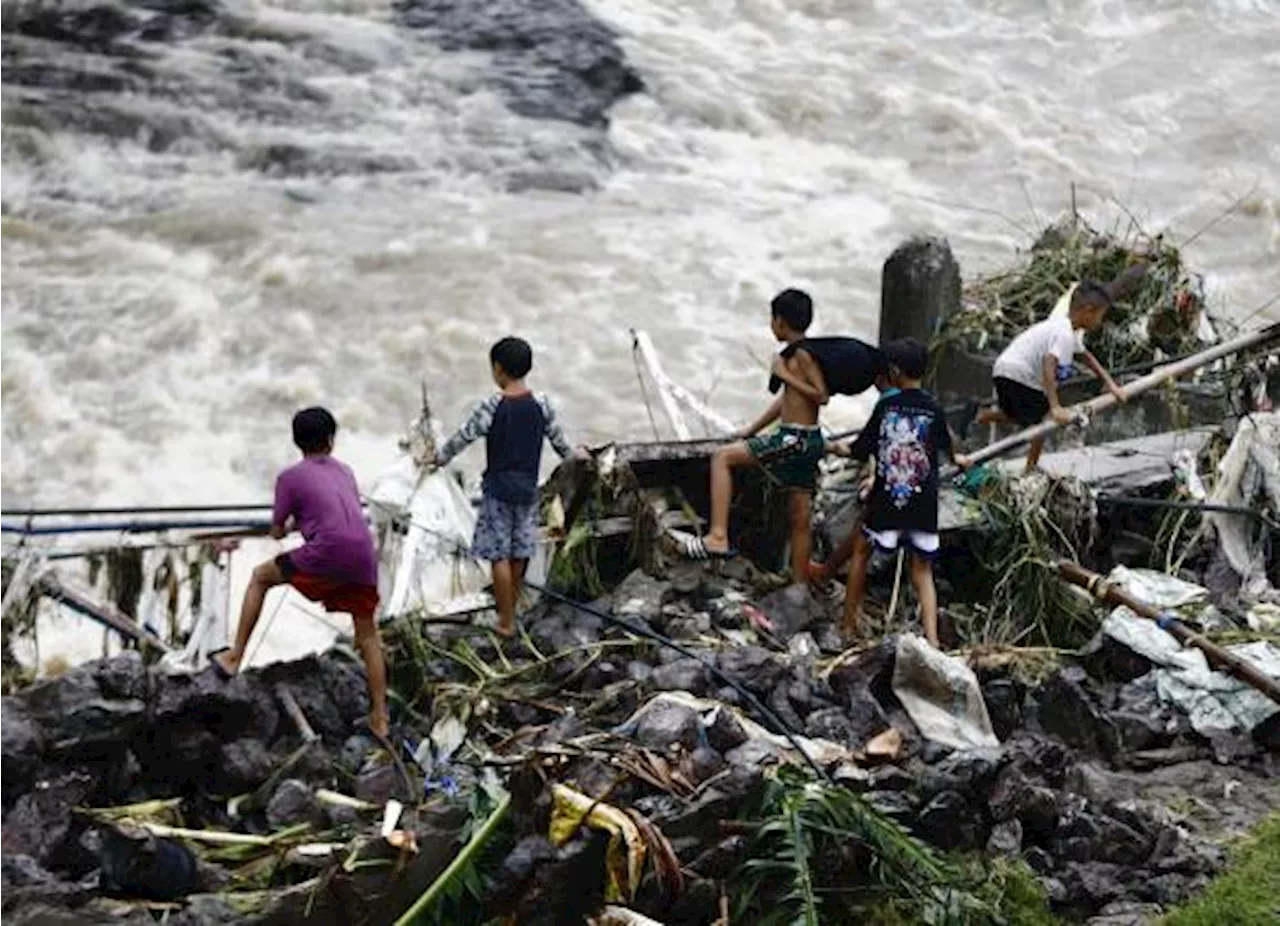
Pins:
x,y
1133,501
1137,387
1098,586
132,527
141,509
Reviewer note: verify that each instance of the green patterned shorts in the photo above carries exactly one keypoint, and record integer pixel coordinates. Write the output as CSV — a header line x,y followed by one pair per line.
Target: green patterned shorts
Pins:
x,y
790,454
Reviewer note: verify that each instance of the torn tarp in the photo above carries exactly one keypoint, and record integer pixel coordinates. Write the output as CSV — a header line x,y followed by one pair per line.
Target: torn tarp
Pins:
x,y
1215,702
1248,477
942,696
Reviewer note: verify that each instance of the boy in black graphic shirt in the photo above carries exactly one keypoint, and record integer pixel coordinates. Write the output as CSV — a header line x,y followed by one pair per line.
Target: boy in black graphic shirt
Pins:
x,y
906,433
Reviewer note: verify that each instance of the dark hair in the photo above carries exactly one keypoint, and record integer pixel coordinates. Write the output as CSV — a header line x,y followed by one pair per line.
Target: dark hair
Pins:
x,y
794,307
313,429
909,356
1091,292
514,355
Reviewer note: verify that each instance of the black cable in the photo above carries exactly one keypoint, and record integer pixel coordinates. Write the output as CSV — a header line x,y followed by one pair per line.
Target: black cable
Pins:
x,y
641,630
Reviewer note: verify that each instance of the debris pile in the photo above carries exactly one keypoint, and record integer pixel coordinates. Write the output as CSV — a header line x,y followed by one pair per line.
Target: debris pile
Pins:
x,y
1162,311
585,767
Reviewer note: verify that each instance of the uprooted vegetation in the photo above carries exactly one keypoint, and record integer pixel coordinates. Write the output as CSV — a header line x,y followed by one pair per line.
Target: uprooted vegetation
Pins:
x,y
1162,312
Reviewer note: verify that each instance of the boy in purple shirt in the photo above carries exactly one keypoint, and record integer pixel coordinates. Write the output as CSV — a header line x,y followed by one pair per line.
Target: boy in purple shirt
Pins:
x,y
337,566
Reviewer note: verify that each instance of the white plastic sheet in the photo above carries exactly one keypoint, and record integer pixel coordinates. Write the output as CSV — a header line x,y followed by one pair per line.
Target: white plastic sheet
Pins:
x,y
1249,470
942,696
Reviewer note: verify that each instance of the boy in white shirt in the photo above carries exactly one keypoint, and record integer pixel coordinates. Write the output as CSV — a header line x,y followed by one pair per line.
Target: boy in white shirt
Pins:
x,y
1027,373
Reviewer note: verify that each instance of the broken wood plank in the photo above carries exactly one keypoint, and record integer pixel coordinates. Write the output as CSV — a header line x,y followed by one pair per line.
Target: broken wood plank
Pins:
x,y
53,586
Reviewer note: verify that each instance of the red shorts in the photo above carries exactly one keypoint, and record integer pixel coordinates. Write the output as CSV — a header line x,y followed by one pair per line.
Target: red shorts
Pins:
x,y
360,601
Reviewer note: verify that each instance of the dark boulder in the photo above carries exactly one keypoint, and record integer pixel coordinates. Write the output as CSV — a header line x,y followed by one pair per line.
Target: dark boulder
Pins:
x,y
688,674
949,822
1005,699
752,667
41,824
20,747
1070,711
294,802
552,59
666,725
77,719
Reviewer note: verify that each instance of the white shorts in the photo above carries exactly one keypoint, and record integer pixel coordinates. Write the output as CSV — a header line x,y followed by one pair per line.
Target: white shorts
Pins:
x,y
924,543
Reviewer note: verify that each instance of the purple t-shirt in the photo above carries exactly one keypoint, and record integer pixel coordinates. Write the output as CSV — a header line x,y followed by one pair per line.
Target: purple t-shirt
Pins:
x,y
321,495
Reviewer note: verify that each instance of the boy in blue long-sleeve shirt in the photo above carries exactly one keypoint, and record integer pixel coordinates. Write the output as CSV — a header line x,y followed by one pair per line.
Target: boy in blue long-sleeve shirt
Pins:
x,y
513,423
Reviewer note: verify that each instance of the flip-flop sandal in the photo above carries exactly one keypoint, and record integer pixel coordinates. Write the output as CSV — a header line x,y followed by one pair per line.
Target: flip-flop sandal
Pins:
x,y
218,668
695,548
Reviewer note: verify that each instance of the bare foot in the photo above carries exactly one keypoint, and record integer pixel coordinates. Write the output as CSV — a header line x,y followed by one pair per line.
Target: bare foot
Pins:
x,y
849,626
505,630
819,573
379,726
225,662
756,618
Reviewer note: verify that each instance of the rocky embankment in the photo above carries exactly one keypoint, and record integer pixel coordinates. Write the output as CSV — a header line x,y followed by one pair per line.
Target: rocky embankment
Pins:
x,y
1108,796
212,75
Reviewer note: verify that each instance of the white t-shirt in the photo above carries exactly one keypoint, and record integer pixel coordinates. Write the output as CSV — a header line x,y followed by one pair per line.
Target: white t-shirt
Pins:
x,y
1022,360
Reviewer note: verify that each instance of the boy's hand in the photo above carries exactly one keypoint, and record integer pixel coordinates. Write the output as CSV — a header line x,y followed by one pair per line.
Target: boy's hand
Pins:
x,y
779,366
1061,415
835,448
963,461
581,453
1115,390
864,490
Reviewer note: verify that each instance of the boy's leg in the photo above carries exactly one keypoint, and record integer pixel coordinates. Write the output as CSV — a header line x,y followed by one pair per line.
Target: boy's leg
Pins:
x,y
821,572
375,668
800,506
504,596
723,462
265,577
992,414
926,594
1033,453
856,589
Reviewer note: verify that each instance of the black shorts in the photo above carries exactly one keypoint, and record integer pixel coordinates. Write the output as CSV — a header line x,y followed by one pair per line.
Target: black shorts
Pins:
x,y
1023,405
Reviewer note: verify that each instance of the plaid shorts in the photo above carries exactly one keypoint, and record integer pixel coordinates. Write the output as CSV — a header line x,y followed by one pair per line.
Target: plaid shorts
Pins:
x,y
505,530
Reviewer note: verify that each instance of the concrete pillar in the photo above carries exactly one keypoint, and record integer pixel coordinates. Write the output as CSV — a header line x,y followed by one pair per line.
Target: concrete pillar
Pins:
x,y
919,287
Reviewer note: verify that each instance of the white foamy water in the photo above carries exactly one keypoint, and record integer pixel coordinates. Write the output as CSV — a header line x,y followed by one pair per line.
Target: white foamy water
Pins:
x,y
165,313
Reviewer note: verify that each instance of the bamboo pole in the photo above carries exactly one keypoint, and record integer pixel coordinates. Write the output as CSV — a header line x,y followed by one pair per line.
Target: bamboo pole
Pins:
x,y
1271,333
52,586
1218,657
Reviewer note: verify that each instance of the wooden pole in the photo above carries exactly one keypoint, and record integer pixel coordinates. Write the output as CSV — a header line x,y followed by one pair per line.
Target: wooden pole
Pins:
x,y
1143,384
1218,657
52,586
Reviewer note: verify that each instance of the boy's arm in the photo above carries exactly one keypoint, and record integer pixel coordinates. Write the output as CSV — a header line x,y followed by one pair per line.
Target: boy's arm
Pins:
x,y
554,432
807,380
1101,372
281,508
771,414
1049,380
474,428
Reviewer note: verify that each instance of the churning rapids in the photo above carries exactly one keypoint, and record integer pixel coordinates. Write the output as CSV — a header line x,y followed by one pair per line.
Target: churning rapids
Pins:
x,y
217,211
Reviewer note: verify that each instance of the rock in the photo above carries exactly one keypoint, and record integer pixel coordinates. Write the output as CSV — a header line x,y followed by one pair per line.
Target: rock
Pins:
x,y
704,763
20,746
1005,839
1015,797
891,778
970,773
682,675
919,288
226,709
552,60
753,667
379,784
77,720
866,718
293,802
792,609
1069,711
725,732
1166,889
722,859
932,752
1126,913
831,724
1091,886
665,725
1038,860
135,863
754,754
1108,660
40,824
1265,734
1086,837
243,765
639,672
871,672
638,594
1004,698
947,821
122,676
